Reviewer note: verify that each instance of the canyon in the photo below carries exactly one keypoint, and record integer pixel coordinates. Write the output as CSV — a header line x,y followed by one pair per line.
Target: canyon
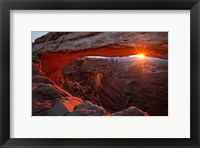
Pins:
x,y
70,77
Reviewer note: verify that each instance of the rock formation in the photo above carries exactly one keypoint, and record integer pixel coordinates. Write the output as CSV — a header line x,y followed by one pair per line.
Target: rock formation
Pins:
x,y
87,78
55,76
53,48
156,42
131,111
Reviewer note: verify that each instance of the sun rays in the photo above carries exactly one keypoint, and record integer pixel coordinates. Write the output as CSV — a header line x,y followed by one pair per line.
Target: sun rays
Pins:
x,y
141,56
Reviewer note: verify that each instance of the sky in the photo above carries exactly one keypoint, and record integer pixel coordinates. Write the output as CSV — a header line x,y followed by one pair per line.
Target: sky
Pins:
x,y
36,34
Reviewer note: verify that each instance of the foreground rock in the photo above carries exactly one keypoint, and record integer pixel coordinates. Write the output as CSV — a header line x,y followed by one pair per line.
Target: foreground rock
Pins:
x,y
87,109
47,95
131,111
58,109
50,100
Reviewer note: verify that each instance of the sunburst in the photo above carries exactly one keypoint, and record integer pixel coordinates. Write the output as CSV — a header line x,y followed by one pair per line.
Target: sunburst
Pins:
x,y
141,56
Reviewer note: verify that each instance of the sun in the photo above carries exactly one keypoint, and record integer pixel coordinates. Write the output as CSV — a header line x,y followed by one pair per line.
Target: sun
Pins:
x,y
141,56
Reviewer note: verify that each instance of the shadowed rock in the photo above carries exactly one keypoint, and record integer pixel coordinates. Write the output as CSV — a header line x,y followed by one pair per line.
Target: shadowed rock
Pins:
x,y
131,111
45,91
35,58
87,109
57,110
35,71
41,79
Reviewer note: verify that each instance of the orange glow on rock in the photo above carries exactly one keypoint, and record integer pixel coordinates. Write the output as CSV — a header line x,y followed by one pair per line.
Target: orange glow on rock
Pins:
x,y
72,102
52,64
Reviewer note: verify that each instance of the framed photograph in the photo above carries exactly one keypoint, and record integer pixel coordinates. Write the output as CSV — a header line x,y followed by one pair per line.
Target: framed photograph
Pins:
x,y
99,73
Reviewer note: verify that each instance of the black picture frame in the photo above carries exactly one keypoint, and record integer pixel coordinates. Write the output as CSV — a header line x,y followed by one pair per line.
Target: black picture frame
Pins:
x,y
7,5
